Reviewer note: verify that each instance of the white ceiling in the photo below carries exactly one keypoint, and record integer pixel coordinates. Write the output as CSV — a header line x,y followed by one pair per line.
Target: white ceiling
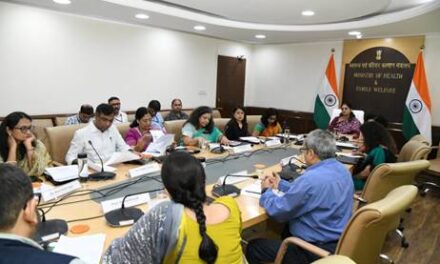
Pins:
x,y
280,20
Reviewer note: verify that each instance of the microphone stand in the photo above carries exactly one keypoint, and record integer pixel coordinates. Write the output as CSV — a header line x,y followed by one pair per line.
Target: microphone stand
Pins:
x,y
229,189
48,230
126,215
103,175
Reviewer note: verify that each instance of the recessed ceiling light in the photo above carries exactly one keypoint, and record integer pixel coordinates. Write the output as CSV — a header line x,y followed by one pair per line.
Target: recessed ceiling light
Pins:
x,y
142,16
359,36
199,28
354,33
307,13
260,36
63,2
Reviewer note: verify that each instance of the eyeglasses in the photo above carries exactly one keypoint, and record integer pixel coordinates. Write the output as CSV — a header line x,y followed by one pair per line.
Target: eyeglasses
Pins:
x,y
25,129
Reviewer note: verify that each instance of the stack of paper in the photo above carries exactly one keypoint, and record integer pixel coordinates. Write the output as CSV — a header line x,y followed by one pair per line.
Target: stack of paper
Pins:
x,y
62,173
160,144
87,248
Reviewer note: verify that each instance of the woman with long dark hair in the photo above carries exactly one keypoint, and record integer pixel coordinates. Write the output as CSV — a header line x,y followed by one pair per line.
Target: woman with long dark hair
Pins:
x,y
378,146
346,122
139,136
186,229
237,127
19,146
200,128
269,125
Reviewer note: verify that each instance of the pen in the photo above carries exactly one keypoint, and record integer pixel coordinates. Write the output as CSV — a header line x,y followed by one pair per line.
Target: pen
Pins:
x,y
252,192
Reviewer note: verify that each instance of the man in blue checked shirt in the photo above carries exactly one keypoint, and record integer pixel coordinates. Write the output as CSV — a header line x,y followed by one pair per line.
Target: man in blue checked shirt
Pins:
x,y
316,206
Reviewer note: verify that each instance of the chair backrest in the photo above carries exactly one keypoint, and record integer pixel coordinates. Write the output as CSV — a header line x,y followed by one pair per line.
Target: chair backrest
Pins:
x,y
123,128
413,150
334,259
130,117
364,235
59,138
174,127
421,139
388,176
220,123
252,121
60,120
359,114
216,113
39,129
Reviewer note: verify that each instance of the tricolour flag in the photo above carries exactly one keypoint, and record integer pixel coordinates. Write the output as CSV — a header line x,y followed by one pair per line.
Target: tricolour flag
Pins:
x,y
417,112
327,98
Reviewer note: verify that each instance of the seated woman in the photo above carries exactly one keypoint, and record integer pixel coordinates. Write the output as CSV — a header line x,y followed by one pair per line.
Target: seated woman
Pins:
x,y
237,127
346,122
19,146
378,146
139,136
199,128
186,229
269,125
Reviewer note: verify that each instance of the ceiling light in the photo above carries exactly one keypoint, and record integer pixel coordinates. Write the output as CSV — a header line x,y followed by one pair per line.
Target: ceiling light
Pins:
x,y
354,33
142,16
63,2
307,13
359,36
199,28
260,36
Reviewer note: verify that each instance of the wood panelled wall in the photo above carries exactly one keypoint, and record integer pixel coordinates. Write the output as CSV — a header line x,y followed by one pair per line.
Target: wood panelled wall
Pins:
x,y
302,122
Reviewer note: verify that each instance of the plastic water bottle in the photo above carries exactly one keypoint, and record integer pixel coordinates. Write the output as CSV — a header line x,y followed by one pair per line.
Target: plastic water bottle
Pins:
x,y
286,133
83,168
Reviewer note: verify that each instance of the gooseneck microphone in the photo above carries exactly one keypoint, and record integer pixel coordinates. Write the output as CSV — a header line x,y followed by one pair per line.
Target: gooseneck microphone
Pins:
x,y
103,175
229,189
126,216
48,230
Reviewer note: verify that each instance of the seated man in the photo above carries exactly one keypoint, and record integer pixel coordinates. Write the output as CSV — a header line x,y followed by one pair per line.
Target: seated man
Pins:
x,y
100,133
18,220
316,206
120,117
176,111
84,115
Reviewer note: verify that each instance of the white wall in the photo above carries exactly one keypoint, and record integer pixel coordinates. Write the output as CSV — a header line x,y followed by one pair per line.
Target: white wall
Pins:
x,y
290,74
53,62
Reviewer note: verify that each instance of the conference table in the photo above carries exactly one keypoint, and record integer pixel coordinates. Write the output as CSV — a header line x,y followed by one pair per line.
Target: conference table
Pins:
x,y
80,208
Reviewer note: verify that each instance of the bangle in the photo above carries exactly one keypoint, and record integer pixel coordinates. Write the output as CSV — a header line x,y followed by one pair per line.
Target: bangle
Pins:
x,y
12,162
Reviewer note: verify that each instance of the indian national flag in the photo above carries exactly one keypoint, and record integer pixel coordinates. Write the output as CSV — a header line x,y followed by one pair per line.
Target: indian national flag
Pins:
x,y
417,112
327,98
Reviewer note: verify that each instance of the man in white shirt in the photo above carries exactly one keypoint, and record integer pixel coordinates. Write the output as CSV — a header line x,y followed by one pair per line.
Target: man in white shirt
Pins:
x,y
100,133
120,117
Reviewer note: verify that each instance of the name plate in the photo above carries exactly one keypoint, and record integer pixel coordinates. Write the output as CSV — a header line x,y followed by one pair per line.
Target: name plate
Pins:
x,y
242,148
145,169
272,143
60,191
130,201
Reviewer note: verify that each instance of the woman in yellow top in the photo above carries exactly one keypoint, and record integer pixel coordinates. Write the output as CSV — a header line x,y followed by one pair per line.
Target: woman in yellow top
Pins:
x,y
269,125
186,229
19,146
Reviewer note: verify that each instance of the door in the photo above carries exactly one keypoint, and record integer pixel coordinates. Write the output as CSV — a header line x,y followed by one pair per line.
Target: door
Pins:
x,y
231,73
